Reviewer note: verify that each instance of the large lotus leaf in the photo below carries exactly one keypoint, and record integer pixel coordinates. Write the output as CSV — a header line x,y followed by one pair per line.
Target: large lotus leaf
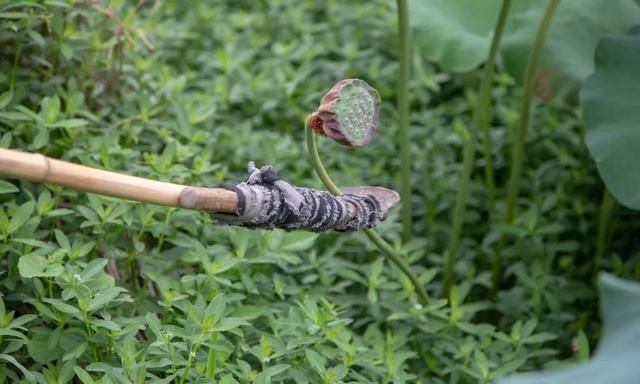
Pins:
x,y
576,28
610,101
454,33
617,360
457,34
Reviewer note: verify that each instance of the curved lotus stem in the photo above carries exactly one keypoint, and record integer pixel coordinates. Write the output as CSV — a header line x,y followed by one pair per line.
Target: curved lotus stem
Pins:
x,y
341,133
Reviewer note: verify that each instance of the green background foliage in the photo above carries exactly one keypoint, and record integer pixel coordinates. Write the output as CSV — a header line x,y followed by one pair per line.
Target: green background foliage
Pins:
x,y
103,290
616,360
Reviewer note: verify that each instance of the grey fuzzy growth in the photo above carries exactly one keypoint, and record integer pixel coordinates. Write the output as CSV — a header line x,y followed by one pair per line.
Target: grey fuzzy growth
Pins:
x,y
270,202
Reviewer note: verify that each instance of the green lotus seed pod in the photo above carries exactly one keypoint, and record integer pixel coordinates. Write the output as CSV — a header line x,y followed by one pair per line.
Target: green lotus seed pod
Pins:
x,y
348,113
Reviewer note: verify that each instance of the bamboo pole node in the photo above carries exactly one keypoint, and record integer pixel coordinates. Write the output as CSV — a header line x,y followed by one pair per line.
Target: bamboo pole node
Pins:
x,y
189,197
46,168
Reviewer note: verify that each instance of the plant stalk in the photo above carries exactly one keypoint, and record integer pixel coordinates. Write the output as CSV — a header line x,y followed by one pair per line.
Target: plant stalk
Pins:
x,y
480,119
391,253
403,119
518,146
192,353
606,209
489,173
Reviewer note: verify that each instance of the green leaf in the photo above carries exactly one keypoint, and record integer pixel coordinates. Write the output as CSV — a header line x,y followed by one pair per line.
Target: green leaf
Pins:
x,y
41,138
33,242
21,320
14,116
70,123
617,360
611,113
32,265
228,379
39,349
59,212
5,140
193,313
223,264
66,373
29,113
67,51
4,221
21,215
539,338
53,270
584,350
50,109
62,239
154,324
75,352
85,248
316,360
14,15
110,325
229,323
83,375
376,269
249,312
298,241
276,369
93,268
28,375
216,307
64,307
7,187
103,298
481,362
168,153
12,333
5,99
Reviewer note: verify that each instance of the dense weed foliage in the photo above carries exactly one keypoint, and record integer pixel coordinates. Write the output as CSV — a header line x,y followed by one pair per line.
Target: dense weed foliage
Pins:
x,y
115,292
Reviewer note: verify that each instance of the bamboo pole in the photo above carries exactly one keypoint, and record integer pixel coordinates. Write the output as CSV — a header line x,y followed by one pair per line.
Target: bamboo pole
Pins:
x,y
41,169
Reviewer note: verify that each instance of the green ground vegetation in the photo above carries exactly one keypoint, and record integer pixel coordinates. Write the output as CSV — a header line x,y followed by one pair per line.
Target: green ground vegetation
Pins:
x,y
102,290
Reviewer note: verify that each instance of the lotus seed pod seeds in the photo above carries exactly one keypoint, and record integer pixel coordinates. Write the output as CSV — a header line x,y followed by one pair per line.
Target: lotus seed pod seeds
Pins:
x,y
348,113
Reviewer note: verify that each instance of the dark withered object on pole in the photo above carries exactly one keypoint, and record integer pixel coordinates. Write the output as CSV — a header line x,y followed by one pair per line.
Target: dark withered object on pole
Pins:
x,y
266,201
